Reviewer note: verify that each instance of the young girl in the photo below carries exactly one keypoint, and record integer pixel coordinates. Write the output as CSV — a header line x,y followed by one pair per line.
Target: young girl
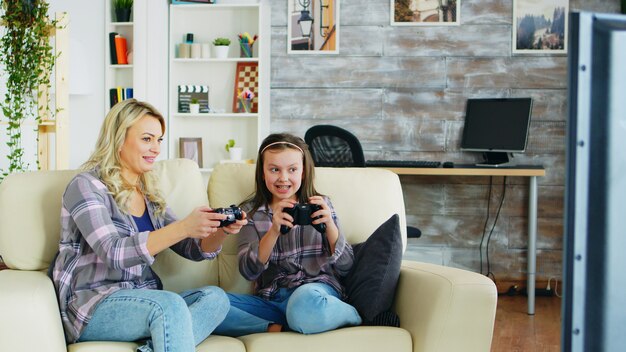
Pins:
x,y
296,274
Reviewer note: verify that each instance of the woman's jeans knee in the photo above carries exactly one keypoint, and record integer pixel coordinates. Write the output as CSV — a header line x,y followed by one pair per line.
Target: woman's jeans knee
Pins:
x,y
174,322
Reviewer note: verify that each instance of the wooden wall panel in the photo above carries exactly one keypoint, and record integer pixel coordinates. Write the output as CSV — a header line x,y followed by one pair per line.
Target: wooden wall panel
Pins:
x,y
357,72
513,72
448,41
402,91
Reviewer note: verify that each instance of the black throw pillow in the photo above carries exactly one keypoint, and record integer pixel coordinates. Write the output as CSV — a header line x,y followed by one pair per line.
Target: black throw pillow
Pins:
x,y
371,283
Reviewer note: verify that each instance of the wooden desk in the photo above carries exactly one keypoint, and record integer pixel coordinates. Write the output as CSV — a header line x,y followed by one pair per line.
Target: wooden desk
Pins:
x,y
520,171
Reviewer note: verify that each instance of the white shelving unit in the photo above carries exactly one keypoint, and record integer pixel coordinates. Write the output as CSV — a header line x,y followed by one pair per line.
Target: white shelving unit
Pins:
x,y
132,75
207,22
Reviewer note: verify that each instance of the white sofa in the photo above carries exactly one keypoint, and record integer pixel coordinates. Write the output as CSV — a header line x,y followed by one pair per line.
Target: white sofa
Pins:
x,y
440,308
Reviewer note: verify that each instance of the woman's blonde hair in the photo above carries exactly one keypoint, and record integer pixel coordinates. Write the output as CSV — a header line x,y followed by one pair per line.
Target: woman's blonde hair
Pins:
x,y
106,157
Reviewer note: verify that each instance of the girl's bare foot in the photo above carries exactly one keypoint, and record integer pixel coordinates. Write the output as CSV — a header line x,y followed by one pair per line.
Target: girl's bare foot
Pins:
x,y
274,328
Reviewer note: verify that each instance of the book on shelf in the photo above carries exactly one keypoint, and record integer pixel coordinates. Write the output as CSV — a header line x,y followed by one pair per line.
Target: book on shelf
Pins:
x,y
118,94
112,48
121,50
188,92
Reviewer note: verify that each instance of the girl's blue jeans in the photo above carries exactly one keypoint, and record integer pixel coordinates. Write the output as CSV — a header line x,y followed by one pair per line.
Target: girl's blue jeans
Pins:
x,y
173,322
309,309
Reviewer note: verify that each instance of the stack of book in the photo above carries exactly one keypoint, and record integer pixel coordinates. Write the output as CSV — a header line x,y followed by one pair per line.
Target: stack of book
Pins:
x,y
119,50
118,94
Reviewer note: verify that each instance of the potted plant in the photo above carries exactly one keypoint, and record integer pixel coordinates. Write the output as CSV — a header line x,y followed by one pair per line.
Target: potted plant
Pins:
x,y
221,47
27,58
194,106
234,152
123,9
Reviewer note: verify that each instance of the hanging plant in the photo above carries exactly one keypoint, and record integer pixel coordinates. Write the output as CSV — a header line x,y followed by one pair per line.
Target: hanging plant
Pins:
x,y
27,58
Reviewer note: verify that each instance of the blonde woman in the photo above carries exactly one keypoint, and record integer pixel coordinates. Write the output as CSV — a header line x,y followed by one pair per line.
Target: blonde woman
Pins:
x,y
114,221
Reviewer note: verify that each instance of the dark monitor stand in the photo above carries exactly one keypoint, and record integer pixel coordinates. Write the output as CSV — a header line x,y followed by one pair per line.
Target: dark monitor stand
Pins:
x,y
497,159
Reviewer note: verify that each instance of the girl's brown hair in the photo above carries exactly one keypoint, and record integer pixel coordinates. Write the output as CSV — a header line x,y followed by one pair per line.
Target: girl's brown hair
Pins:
x,y
280,142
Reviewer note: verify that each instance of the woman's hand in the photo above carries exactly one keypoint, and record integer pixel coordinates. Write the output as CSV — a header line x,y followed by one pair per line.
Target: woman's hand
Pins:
x,y
237,225
201,222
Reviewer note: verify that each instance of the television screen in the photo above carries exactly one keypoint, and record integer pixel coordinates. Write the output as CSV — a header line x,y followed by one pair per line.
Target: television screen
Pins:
x,y
594,307
496,125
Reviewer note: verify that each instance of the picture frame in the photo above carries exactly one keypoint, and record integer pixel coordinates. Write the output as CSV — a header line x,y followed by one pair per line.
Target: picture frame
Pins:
x,y
190,148
425,12
246,77
313,27
528,39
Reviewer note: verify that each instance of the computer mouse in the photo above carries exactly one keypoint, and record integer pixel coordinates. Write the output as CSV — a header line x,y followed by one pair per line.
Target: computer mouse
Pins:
x,y
448,164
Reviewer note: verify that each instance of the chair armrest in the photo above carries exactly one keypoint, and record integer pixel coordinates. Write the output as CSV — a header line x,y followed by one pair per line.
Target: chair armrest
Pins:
x,y
30,319
446,309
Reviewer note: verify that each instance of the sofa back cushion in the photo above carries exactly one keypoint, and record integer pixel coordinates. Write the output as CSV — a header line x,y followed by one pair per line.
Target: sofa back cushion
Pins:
x,y
30,213
184,189
363,198
30,210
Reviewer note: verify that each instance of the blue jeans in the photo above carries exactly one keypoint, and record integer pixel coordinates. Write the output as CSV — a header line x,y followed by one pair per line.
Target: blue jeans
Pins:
x,y
309,309
173,322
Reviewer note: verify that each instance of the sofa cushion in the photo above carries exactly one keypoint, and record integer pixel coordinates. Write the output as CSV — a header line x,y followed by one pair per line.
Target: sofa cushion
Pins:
x,y
371,283
30,225
183,188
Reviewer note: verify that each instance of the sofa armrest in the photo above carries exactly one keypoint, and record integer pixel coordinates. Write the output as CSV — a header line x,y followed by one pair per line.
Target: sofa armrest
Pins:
x,y
29,318
446,309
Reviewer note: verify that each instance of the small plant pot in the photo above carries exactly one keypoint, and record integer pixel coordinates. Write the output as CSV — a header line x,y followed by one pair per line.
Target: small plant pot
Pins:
x,y
122,15
194,108
235,153
221,51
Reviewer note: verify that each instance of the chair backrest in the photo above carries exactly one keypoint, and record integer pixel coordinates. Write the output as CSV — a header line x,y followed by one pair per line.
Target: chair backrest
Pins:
x,y
332,146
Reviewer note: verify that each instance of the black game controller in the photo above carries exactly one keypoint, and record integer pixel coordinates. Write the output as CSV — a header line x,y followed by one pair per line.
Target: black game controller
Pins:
x,y
233,214
301,214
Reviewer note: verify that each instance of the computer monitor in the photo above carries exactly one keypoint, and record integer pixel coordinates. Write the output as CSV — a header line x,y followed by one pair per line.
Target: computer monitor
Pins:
x,y
497,127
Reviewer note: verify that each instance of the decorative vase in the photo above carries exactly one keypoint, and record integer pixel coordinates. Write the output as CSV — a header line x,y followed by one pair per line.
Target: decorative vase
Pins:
x,y
122,15
221,51
235,153
194,108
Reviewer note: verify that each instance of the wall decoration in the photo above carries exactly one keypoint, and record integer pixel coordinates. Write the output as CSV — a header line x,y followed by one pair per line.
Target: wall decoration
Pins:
x,y
425,12
540,26
247,79
191,148
313,26
188,92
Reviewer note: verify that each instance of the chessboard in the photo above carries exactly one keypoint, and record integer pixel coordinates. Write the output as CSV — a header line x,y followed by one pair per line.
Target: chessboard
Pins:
x,y
247,76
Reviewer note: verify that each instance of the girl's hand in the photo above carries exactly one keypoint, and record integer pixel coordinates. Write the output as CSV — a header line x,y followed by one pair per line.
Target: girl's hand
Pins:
x,y
323,215
201,222
236,226
280,217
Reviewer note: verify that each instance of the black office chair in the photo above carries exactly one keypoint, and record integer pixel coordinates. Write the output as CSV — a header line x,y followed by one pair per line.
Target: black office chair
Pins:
x,y
332,146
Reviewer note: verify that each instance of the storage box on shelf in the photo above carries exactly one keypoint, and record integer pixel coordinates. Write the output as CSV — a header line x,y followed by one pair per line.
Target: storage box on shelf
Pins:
x,y
194,65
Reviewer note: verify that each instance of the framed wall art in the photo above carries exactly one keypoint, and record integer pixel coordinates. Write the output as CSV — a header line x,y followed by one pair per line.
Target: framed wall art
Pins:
x,y
425,12
191,148
313,26
540,26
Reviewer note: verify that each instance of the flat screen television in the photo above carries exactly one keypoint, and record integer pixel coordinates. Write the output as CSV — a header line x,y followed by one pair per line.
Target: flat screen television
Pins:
x,y
497,127
594,297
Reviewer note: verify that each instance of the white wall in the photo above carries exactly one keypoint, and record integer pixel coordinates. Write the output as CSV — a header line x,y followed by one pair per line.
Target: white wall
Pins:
x,y
86,74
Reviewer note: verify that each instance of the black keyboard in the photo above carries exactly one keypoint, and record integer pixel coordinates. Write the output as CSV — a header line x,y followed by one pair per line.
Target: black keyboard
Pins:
x,y
402,163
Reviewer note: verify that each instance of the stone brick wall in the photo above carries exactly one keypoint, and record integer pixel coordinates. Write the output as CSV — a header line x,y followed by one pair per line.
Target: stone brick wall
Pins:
x,y
402,92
